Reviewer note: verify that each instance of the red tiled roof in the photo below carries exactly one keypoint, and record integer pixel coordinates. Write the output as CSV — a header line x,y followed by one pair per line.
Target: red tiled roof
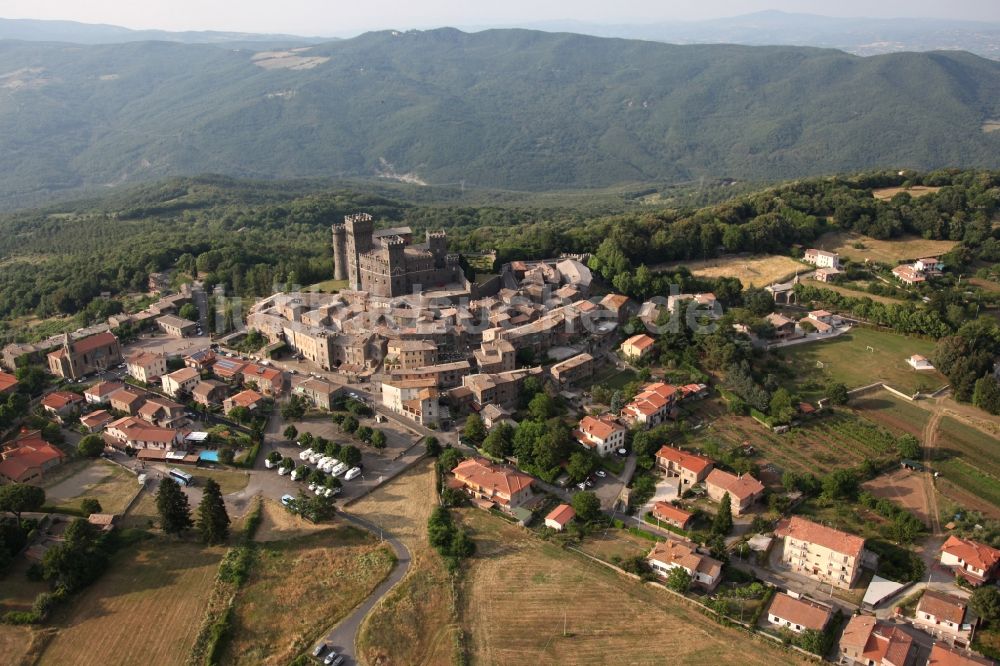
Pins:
x,y
96,418
614,301
27,452
601,427
562,514
942,606
977,554
685,555
942,655
739,487
669,512
7,381
684,460
640,342
59,399
802,612
806,530
92,342
246,398
101,389
497,478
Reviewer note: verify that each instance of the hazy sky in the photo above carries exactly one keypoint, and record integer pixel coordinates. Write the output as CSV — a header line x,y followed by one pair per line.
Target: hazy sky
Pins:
x,y
335,17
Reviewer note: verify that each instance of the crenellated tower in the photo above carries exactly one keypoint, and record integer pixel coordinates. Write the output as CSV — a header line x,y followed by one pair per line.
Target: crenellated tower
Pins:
x,y
360,227
339,252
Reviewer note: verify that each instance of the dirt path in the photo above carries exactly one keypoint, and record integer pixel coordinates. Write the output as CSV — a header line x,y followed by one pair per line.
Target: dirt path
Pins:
x,y
929,442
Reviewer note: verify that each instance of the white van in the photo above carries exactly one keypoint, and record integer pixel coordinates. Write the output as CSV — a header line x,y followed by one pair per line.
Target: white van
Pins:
x,y
315,457
339,469
305,454
353,473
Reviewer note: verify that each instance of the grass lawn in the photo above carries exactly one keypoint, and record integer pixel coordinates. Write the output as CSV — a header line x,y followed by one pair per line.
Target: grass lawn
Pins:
x,y
146,609
847,359
857,293
524,596
230,481
416,623
607,544
613,378
758,271
892,412
299,588
143,511
106,482
883,251
327,286
16,591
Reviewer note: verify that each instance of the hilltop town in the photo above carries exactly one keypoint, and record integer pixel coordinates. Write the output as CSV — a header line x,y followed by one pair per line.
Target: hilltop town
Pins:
x,y
761,450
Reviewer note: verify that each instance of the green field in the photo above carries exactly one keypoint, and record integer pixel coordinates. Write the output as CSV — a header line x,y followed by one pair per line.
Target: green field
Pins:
x,y
327,286
892,412
613,378
847,359
970,459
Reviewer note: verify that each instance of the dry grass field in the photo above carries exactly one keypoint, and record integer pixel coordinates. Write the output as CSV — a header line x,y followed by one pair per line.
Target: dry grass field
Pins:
x,y
883,251
917,191
523,596
415,624
20,646
277,524
300,587
758,271
905,488
145,609
106,482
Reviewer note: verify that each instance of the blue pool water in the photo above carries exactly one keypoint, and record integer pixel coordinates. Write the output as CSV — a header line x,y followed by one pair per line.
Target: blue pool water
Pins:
x,y
211,456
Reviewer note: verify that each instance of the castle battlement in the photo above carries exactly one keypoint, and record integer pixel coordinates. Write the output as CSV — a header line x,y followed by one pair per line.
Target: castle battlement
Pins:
x,y
358,217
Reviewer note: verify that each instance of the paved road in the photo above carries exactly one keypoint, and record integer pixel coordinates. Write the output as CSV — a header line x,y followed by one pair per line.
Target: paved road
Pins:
x,y
343,637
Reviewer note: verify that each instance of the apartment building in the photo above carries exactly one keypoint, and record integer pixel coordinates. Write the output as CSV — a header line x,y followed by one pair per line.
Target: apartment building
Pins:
x,y
691,467
146,367
602,434
573,369
407,354
821,553
416,399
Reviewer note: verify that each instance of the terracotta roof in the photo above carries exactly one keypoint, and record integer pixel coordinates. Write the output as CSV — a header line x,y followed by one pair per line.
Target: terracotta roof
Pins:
x,y
101,389
739,487
7,381
135,430
890,645
96,418
92,342
59,399
183,375
640,342
254,371
684,460
601,427
778,320
684,554
942,655
977,554
143,358
806,530
497,478
942,606
246,398
820,313
857,632
668,511
205,387
27,452
127,396
802,612
614,301
562,514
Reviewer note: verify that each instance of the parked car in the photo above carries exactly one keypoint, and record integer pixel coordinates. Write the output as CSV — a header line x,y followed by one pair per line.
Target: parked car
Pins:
x,y
319,649
338,661
582,485
328,492
331,657
287,499
353,473
601,473
622,452
589,483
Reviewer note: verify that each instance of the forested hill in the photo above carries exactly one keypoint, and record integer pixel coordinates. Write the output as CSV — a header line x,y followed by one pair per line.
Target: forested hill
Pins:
x,y
504,108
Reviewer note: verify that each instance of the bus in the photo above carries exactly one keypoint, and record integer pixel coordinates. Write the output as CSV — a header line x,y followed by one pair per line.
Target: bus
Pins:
x,y
182,478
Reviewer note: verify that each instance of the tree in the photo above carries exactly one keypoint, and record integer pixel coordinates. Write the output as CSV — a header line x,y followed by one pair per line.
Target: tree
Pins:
x,y
90,446
364,433
781,406
290,433
678,580
909,447
580,466
378,440
16,498
841,484
213,520
836,393
349,424
474,430
227,455
188,311
541,407
986,394
89,505
433,446
496,445
239,414
985,602
723,522
586,505
351,456
172,505
449,459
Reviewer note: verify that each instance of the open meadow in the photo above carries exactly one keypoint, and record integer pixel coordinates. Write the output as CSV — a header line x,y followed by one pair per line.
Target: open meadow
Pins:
x,y
300,587
859,358
882,251
146,609
970,460
757,271
524,596
415,624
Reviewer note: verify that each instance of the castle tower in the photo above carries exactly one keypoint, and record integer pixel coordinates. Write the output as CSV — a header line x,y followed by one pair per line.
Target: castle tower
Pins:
x,y
396,249
437,244
339,252
359,240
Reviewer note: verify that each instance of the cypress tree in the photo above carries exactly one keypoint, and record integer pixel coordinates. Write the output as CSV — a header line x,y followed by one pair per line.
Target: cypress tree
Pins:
x,y
723,522
213,521
172,505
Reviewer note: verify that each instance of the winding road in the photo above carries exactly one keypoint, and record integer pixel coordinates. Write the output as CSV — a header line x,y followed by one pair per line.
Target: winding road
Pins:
x,y
343,637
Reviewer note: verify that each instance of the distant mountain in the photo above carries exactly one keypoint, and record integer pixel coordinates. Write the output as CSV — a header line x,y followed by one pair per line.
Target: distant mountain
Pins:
x,y
510,109
93,33
860,36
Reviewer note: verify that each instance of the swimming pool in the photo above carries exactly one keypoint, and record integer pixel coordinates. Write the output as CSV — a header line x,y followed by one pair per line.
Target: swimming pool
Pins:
x,y
210,456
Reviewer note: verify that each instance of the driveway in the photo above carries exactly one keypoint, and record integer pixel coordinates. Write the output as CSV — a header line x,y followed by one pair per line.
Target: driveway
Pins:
x,y
343,637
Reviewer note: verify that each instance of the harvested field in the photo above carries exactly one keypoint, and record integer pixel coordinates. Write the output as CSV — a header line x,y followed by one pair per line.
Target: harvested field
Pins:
x,y
146,609
142,513
278,524
758,271
555,607
883,251
300,587
849,359
608,544
416,622
917,191
20,645
106,482
894,413
904,487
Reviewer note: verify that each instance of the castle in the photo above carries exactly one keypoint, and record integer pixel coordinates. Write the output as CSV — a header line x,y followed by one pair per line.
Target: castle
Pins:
x,y
386,263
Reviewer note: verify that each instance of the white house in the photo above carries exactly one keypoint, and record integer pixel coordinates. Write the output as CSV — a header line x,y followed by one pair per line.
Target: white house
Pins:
x,y
822,258
918,362
797,614
704,570
603,434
